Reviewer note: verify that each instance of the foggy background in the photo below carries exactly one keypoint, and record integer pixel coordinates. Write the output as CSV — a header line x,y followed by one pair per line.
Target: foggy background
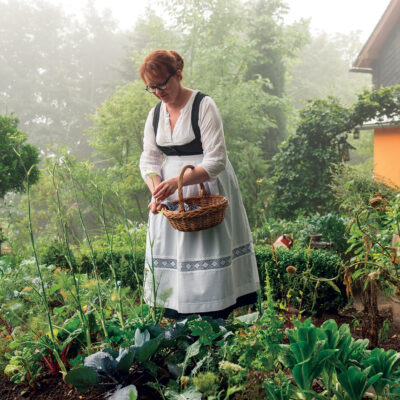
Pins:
x,y
68,71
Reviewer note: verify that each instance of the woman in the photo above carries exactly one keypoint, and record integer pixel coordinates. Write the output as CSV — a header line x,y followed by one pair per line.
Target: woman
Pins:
x,y
208,272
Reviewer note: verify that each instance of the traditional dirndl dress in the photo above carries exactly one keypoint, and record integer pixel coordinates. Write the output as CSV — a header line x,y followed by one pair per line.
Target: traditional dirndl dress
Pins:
x,y
209,272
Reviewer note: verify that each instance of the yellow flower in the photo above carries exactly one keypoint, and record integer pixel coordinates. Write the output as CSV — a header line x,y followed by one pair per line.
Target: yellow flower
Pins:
x,y
259,180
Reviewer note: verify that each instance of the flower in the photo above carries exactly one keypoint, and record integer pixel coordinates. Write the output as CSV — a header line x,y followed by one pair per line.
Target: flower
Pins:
x,y
84,308
229,367
291,269
75,204
184,381
259,180
375,201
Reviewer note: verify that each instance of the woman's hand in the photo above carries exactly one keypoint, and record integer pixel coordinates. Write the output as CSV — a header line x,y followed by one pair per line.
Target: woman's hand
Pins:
x,y
165,189
155,207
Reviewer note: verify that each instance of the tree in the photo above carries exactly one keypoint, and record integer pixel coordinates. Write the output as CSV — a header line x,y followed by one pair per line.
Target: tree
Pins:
x,y
55,70
274,45
117,134
303,166
233,56
16,157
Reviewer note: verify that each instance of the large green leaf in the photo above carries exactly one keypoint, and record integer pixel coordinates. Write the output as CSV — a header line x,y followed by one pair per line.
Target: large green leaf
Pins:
x,y
82,378
144,352
355,382
126,361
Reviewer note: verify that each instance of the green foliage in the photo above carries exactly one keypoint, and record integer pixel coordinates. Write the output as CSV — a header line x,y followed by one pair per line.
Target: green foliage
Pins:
x,y
326,352
206,383
54,254
332,227
353,189
323,264
355,383
385,362
17,157
82,378
305,159
24,366
285,391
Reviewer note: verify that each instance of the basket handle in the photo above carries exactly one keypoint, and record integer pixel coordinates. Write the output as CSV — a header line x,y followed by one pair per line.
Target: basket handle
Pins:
x,y
180,187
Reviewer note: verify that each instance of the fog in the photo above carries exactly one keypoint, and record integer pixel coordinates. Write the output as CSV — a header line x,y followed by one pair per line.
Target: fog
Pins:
x,y
60,60
330,16
70,75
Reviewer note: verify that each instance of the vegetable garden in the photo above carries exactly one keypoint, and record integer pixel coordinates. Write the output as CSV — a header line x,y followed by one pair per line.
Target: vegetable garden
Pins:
x,y
73,324
73,315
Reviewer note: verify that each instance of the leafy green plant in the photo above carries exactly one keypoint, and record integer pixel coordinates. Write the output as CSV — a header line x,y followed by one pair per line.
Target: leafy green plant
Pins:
x,y
14,164
284,391
327,353
112,365
354,383
374,262
206,383
306,355
24,366
386,363
321,264
306,158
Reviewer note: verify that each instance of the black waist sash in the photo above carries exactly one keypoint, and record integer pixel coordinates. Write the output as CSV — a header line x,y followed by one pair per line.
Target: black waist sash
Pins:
x,y
189,149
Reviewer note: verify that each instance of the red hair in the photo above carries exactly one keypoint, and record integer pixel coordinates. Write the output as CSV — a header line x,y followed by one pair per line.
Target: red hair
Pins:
x,y
161,62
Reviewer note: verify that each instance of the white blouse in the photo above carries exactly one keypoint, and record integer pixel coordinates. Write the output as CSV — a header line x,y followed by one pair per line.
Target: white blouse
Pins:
x,y
212,137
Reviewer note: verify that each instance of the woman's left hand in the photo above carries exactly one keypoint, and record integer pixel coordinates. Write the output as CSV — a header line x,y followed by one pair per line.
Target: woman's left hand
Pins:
x,y
166,189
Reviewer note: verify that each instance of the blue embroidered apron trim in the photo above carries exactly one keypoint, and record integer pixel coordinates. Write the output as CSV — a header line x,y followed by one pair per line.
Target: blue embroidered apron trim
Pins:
x,y
203,265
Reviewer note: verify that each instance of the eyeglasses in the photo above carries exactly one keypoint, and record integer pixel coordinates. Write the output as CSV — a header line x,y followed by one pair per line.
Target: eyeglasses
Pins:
x,y
160,86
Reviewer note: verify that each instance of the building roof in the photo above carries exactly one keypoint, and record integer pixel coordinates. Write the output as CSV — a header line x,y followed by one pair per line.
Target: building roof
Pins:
x,y
370,52
382,122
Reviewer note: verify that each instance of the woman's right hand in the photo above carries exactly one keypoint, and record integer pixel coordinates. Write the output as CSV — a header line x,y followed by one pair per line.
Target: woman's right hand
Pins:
x,y
155,208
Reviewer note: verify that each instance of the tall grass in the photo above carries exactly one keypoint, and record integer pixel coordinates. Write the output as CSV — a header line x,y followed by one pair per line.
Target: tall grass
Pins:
x,y
43,293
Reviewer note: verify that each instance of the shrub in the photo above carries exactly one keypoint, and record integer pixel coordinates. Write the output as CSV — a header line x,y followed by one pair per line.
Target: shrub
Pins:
x,y
323,264
54,254
331,226
123,261
353,188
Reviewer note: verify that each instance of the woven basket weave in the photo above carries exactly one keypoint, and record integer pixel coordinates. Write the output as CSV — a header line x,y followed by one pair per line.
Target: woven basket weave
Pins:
x,y
211,211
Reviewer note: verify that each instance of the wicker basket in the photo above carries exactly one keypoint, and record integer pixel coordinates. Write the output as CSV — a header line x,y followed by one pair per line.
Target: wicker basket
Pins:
x,y
211,211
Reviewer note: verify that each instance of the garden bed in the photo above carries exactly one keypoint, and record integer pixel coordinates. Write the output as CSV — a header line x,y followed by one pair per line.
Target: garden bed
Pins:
x,y
52,387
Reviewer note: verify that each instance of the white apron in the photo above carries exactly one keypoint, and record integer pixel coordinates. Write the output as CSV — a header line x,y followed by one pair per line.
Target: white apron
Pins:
x,y
204,271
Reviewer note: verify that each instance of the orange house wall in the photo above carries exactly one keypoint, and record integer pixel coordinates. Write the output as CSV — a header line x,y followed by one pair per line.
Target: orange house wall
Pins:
x,y
387,154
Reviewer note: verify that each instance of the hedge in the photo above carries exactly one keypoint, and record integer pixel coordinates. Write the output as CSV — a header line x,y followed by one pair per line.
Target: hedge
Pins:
x,y
323,263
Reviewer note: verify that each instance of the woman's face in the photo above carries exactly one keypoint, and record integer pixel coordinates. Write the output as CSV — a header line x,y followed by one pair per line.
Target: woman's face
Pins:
x,y
166,86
